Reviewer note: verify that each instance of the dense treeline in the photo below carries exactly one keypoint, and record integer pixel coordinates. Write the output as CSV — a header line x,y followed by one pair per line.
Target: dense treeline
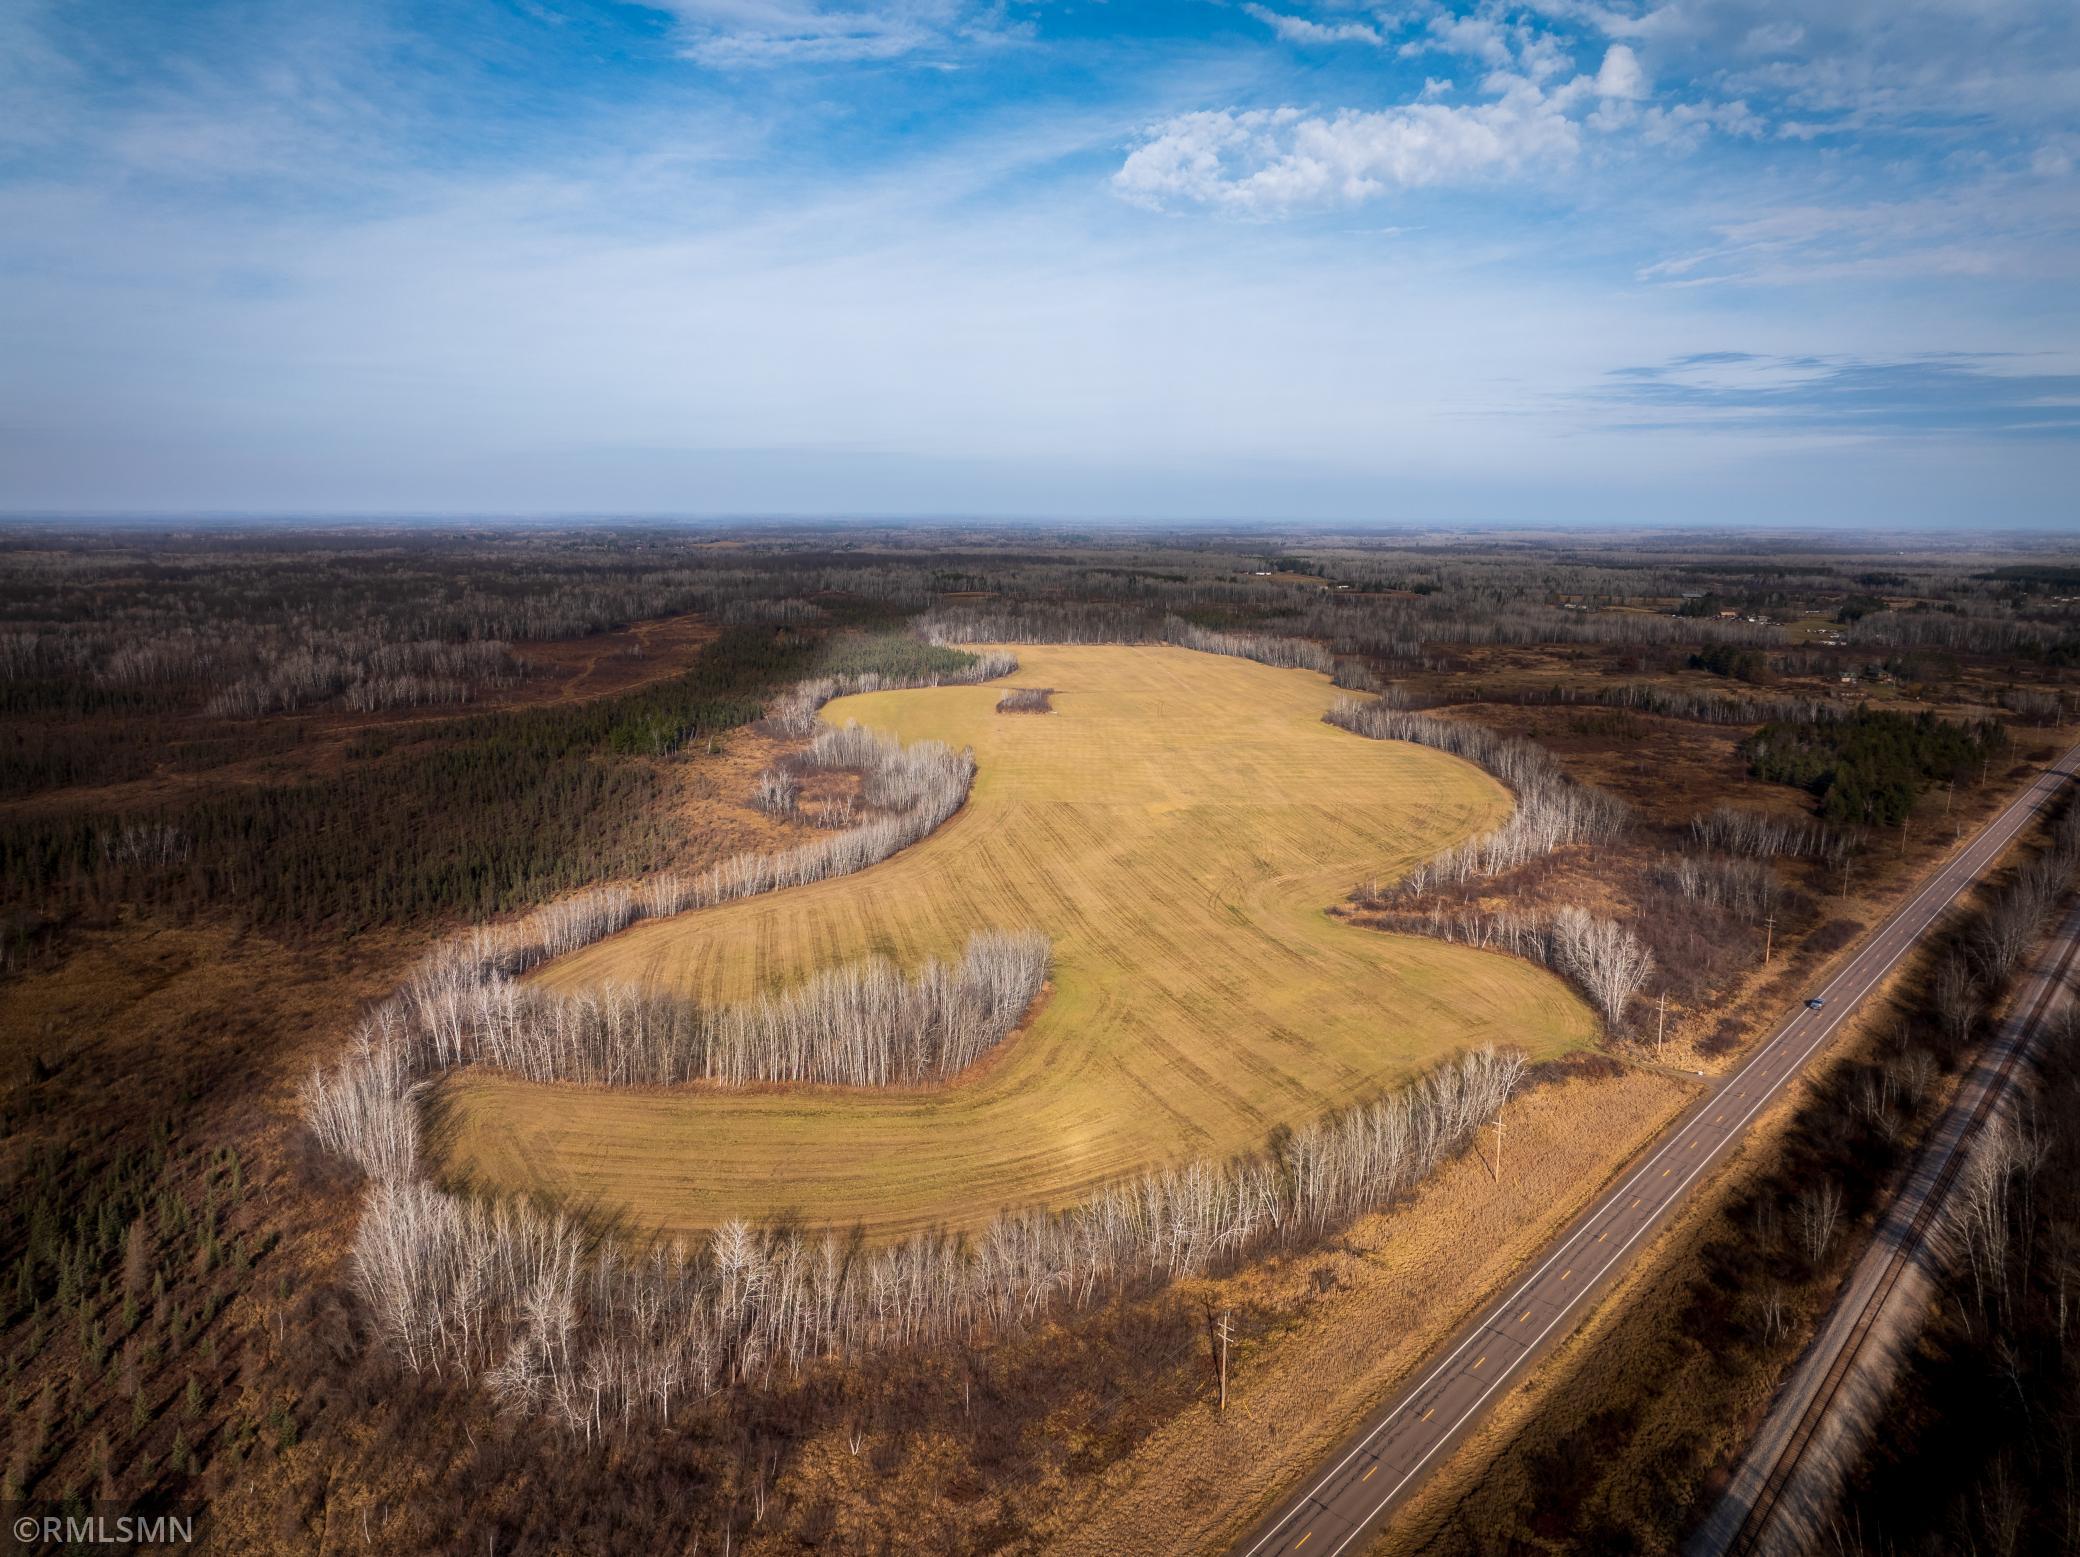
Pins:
x,y
1722,659
475,816
1704,706
246,623
121,626
120,618
1870,768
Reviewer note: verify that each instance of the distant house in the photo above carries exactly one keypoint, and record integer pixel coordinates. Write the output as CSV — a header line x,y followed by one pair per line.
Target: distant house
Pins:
x,y
1729,615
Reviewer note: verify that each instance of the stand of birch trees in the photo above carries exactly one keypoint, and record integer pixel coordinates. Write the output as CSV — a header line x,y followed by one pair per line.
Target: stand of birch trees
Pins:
x,y
1551,811
1604,959
602,1336
864,1025
794,712
1289,653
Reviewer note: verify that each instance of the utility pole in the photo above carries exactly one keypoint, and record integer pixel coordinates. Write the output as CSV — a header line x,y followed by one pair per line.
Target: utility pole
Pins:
x,y
1846,863
1224,1331
1947,789
1903,836
1661,1023
1769,935
1498,1145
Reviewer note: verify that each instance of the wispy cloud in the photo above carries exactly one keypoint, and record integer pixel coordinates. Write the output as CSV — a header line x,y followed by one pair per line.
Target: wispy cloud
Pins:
x,y
1299,29
752,34
1960,393
2014,223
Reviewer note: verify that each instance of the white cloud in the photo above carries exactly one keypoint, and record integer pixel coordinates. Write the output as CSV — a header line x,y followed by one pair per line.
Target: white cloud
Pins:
x,y
1621,75
1684,126
1478,37
1267,161
1298,29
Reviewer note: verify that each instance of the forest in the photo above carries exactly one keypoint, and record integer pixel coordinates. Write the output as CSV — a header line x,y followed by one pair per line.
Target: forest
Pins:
x,y
1871,767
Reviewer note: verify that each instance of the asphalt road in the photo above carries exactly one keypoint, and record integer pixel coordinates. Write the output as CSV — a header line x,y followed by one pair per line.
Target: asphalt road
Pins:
x,y
1784,1488
1365,1477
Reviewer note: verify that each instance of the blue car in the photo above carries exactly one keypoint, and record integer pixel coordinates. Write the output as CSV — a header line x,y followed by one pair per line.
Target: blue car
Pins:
x,y
1815,1003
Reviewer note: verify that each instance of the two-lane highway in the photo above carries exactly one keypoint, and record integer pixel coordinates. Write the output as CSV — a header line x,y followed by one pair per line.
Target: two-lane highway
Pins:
x,y
1366,1476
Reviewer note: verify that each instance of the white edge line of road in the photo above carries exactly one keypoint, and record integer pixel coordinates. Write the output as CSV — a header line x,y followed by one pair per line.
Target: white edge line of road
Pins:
x,y
2018,809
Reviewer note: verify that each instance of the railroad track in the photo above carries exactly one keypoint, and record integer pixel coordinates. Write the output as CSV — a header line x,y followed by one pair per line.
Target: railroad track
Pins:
x,y
1952,1152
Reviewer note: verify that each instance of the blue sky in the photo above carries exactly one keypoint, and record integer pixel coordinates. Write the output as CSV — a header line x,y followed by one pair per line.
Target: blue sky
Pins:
x,y
1713,260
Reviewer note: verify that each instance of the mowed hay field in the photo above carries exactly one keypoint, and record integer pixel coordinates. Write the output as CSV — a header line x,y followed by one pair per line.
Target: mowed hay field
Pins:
x,y
1178,826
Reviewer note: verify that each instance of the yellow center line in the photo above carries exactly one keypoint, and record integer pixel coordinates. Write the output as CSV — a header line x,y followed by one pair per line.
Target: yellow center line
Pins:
x,y
1693,1145
1368,1474
1720,1120
1483,1357
1566,1273
1602,1235
1665,1172
1430,1413
1303,1540
1635,1205
1525,1317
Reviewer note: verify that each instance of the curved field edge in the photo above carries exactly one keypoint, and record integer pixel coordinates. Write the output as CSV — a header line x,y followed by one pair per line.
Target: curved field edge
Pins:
x,y
1176,828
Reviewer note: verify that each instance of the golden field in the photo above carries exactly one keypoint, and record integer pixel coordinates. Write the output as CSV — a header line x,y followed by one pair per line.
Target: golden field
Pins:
x,y
1178,826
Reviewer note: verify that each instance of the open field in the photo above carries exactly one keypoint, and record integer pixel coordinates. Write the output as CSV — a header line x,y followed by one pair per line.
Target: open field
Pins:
x,y
1177,827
